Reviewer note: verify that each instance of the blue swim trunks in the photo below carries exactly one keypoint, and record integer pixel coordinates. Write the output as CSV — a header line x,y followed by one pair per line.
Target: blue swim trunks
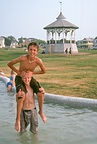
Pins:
x,y
9,83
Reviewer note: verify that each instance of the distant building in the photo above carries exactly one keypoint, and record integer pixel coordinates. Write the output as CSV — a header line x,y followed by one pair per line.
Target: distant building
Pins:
x,y
14,44
95,43
2,40
61,36
86,43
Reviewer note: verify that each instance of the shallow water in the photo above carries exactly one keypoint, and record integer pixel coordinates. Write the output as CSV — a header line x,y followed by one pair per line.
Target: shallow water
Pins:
x,y
65,125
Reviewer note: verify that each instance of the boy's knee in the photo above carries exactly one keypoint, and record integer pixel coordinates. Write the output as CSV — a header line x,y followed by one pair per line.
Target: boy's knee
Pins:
x,y
42,90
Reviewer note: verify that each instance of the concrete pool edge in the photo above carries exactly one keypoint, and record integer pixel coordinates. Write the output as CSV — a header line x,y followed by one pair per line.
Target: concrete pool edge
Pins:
x,y
72,101
68,100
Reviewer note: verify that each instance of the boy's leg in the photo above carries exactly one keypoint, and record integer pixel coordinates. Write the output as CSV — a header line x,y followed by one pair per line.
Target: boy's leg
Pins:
x,y
19,98
40,96
21,90
34,121
23,122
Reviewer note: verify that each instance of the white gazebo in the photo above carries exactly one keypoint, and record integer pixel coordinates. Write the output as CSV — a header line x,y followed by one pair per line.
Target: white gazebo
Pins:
x,y
61,36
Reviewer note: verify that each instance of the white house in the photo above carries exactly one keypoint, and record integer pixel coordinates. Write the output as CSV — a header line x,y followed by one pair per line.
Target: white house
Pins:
x,y
2,40
86,43
95,43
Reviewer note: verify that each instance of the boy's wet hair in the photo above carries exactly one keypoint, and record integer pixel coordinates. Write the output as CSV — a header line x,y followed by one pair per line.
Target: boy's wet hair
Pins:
x,y
35,44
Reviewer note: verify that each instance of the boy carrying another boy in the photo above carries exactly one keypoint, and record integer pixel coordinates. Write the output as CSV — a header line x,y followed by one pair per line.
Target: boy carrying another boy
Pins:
x,y
26,109
28,63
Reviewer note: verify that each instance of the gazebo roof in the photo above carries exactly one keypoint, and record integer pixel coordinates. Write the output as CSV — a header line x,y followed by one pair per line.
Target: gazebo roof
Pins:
x,y
61,23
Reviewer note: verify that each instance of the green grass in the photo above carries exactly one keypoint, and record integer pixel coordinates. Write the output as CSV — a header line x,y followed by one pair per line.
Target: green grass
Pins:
x,y
74,75
7,55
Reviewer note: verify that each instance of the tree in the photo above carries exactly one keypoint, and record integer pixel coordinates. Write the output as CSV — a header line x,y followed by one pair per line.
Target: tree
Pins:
x,y
95,37
12,38
9,40
20,40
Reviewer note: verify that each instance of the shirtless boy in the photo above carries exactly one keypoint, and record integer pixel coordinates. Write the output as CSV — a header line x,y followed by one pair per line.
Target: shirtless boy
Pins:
x,y
29,63
28,114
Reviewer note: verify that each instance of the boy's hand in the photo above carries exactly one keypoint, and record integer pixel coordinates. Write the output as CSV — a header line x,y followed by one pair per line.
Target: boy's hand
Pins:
x,y
20,95
17,125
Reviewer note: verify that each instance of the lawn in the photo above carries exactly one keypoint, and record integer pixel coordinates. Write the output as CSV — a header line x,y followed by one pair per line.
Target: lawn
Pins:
x,y
74,75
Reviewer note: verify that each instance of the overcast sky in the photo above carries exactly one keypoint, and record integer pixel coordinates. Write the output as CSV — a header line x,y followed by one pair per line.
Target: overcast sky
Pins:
x,y
27,18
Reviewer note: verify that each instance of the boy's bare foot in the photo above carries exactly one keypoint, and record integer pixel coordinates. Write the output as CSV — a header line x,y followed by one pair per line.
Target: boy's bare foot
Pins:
x,y
17,126
43,117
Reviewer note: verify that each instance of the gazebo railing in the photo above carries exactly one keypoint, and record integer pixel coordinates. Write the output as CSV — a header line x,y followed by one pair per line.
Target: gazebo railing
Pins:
x,y
60,41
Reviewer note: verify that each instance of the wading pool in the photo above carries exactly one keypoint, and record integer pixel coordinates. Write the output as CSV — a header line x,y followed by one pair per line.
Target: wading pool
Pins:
x,y
65,125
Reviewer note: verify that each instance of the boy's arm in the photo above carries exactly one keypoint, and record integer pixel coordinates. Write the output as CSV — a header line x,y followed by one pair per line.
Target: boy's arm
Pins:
x,y
13,80
11,64
40,64
20,97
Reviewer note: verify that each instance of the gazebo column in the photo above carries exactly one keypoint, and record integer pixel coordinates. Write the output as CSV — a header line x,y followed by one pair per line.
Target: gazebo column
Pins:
x,y
63,36
48,36
71,37
52,35
74,35
55,36
58,35
66,35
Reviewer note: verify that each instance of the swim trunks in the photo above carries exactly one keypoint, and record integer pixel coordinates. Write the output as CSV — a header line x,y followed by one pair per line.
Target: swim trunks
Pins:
x,y
20,85
9,83
29,117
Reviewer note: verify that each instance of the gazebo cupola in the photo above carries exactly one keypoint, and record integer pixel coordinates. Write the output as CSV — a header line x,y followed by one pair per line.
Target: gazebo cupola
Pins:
x,y
61,36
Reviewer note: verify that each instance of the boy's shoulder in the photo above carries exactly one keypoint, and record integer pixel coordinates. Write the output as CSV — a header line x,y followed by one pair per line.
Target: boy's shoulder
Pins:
x,y
24,57
37,59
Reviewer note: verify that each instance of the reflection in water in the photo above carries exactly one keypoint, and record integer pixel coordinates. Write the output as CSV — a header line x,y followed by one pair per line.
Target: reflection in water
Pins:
x,y
28,138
